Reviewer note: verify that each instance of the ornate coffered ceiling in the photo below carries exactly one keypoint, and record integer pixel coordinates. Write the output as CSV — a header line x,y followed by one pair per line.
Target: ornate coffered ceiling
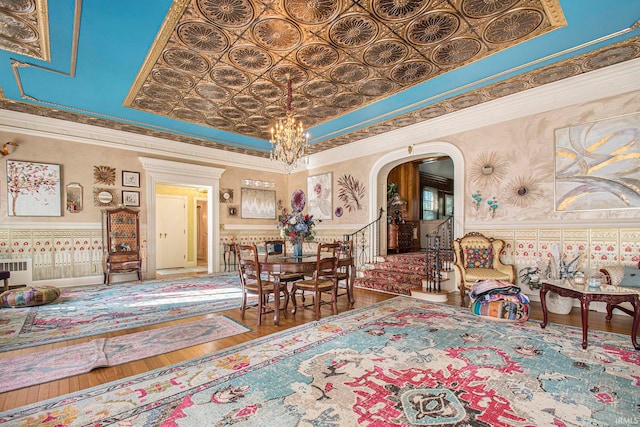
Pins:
x,y
212,73
224,63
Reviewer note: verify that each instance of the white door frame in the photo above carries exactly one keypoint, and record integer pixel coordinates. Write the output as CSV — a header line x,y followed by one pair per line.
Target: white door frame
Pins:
x,y
186,175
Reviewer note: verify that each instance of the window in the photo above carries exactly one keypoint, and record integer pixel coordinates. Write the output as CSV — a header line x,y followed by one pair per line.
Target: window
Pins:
x,y
429,203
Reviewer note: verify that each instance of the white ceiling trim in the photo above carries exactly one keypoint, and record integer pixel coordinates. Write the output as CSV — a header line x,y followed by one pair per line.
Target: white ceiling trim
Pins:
x,y
13,121
609,81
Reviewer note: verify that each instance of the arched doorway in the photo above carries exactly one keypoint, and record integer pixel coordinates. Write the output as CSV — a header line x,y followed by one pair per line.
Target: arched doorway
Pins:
x,y
378,185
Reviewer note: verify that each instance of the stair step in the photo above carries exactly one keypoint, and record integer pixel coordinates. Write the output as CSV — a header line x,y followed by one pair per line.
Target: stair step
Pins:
x,y
384,285
433,296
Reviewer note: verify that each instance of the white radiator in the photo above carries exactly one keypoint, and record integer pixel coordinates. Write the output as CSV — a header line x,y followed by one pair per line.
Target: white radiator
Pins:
x,y
20,271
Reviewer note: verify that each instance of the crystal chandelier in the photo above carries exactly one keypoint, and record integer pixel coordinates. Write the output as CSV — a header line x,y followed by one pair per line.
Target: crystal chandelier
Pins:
x,y
289,142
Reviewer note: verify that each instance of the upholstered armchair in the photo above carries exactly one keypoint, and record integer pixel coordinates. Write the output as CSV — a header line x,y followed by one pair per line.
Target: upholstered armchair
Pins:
x,y
477,257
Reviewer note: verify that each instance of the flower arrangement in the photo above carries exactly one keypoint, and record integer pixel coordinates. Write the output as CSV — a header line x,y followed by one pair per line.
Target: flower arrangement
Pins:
x,y
296,226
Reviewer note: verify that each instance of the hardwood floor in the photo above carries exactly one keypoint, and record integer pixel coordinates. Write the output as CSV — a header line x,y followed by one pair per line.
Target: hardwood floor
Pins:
x,y
620,324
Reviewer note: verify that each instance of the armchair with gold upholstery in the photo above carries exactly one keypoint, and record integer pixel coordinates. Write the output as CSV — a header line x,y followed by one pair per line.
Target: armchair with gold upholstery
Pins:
x,y
477,257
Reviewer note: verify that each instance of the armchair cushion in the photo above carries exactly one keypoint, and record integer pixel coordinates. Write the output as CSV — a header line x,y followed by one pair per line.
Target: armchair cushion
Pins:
x,y
479,257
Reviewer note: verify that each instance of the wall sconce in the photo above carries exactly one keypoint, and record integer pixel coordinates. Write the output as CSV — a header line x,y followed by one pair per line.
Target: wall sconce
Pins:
x,y
258,183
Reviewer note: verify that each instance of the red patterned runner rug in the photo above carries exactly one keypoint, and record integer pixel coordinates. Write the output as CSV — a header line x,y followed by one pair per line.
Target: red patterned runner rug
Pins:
x,y
44,366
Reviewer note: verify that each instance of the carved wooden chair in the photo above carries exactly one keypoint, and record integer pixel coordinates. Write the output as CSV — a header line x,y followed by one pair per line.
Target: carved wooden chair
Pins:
x,y
324,280
477,257
253,284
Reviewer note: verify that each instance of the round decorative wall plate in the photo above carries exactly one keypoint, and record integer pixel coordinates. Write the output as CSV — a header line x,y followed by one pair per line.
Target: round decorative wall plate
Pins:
x,y
339,211
298,200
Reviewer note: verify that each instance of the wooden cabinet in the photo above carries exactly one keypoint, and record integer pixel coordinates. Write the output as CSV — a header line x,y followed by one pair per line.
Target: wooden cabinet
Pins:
x,y
121,238
400,237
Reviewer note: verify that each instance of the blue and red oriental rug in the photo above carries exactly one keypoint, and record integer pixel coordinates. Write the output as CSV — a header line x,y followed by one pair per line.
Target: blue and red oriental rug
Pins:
x,y
401,362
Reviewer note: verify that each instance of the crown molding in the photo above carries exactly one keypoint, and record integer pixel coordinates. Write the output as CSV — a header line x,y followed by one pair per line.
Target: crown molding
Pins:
x,y
13,121
610,81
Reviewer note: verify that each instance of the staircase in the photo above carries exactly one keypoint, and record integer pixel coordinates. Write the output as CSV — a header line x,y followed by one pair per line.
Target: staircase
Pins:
x,y
418,274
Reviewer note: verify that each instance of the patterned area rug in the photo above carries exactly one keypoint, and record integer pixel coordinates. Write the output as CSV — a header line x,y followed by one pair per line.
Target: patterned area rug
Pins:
x,y
185,270
44,366
401,362
90,310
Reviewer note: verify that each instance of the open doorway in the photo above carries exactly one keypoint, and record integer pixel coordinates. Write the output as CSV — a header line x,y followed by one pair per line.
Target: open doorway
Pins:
x,y
182,174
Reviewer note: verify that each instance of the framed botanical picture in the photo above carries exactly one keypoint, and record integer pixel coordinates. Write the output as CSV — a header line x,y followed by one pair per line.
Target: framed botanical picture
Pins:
x,y
33,189
319,196
130,179
131,198
258,204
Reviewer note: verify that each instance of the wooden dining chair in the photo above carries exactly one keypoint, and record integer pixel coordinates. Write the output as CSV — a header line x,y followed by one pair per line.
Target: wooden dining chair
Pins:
x,y
279,247
324,279
345,287
253,284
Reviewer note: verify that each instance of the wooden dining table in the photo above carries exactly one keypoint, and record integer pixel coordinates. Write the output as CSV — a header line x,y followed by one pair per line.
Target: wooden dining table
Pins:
x,y
307,263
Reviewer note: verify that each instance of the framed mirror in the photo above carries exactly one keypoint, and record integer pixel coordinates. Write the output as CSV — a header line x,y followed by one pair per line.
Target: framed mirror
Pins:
x,y
104,197
74,197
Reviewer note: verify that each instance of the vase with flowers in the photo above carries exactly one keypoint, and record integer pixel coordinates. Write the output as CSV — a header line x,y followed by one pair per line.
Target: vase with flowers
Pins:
x,y
298,228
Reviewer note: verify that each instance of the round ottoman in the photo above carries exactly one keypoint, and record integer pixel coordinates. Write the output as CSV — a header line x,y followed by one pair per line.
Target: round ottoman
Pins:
x,y
29,296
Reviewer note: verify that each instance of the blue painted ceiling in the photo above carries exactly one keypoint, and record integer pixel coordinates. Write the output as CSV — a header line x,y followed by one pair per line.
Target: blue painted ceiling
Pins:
x,y
99,50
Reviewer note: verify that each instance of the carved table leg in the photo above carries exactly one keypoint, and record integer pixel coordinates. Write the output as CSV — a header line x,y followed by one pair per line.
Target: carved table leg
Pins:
x,y
543,302
276,298
636,321
584,307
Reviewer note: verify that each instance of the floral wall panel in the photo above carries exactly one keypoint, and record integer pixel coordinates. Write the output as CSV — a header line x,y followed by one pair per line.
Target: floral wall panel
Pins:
x,y
43,254
549,243
526,248
630,247
63,254
509,250
604,247
5,245
20,244
82,253
575,242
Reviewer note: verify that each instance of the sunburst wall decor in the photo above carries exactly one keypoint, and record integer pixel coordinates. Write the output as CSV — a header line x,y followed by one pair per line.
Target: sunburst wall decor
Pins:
x,y
488,169
522,191
104,175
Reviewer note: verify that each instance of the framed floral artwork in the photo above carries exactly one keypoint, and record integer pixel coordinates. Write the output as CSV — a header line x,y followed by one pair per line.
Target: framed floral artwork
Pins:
x,y
131,198
130,179
33,189
319,196
257,204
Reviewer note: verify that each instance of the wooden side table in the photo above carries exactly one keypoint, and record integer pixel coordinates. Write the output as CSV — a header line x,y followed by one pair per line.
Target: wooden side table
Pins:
x,y
585,295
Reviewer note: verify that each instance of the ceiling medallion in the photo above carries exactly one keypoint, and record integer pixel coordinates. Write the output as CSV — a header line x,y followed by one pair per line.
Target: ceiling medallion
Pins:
x,y
289,142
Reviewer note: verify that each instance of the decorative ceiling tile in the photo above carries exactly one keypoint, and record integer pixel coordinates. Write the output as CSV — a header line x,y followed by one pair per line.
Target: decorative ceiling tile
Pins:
x,y
339,54
24,28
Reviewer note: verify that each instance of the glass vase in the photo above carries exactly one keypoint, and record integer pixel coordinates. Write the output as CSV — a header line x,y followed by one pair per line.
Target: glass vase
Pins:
x,y
297,249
